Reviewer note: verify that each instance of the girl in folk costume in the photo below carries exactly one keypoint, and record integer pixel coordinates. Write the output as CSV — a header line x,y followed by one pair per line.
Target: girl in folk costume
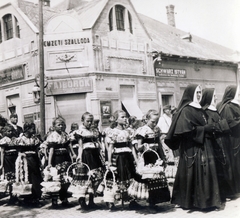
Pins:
x,y
106,140
89,154
196,182
229,109
9,155
150,149
121,155
28,145
224,170
73,141
59,157
132,128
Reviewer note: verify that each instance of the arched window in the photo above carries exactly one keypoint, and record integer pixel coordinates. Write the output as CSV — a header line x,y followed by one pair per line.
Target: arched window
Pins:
x,y
110,19
120,19
0,32
119,10
130,22
7,19
17,28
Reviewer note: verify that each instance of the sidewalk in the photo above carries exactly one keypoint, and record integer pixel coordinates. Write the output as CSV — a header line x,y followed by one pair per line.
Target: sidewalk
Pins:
x,y
165,210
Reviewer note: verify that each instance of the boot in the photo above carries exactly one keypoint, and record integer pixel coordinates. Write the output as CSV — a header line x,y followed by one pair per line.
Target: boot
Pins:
x,y
91,204
82,202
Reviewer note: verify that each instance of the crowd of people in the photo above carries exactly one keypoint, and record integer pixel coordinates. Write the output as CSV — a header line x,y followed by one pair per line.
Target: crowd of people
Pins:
x,y
195,147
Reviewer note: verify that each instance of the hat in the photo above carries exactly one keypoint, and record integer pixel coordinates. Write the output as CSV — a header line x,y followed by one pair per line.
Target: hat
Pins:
x,y
167,107
13,115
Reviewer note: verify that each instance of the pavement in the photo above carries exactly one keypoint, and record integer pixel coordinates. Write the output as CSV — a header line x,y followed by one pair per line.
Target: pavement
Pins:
x,y
164,210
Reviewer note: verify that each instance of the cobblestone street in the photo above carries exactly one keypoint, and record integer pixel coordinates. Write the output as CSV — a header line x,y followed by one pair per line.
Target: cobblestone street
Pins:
x,y
232,209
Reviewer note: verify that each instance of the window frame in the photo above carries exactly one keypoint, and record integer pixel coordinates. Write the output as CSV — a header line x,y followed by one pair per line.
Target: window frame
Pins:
x,y
8,26
130,22
17,28
110,19
1,36
119,13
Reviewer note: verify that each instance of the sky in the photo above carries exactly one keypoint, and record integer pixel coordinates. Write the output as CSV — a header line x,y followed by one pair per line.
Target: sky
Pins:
x,y
215,20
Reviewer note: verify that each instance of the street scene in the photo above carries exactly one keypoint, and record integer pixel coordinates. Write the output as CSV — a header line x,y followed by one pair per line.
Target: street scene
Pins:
x,y
119,108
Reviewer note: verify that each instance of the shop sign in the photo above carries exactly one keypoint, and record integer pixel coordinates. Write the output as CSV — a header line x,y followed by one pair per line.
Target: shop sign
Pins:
x,y
68,86
11,74
62,42
169,72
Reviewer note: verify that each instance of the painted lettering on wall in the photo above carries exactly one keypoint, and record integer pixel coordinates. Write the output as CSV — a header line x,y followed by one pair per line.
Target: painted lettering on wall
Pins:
x,y
12,74
170,72
66,42
76,85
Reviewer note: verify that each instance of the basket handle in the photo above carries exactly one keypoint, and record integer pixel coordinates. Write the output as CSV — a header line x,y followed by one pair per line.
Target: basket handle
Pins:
x,y
149,149
105,175
73,164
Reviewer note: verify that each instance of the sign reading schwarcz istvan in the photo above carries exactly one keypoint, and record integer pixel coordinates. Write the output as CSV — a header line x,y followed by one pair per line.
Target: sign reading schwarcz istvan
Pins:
x,y
68,86
169,72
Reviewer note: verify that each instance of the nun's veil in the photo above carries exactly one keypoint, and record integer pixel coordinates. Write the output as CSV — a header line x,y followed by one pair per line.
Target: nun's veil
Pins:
x,y
187,98
228,96
207,96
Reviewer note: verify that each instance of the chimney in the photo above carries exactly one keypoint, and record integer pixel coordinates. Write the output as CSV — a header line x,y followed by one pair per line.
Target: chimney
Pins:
x,y
170,15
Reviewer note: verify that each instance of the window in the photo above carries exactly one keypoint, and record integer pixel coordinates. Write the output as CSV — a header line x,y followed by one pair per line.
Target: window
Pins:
x,y
17,27
119,10
8,26
110,19
130,22
0,32
120,19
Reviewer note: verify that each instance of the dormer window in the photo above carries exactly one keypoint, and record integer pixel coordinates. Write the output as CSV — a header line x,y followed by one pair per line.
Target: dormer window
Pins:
x,y
9,28
0,33
120,19
110,19
17,28
8,25
130,22
119,10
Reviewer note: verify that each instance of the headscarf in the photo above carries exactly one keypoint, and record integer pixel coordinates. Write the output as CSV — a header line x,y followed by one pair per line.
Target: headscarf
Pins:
x,y
27,127
187,98
3,121
228,96
207,97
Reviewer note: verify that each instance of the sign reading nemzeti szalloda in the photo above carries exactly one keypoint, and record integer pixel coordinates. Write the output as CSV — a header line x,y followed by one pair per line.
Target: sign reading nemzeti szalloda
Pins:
x,y
61,42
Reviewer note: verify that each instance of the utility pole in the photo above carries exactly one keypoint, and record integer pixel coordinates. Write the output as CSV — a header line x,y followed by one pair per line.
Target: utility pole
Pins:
x,y
41,69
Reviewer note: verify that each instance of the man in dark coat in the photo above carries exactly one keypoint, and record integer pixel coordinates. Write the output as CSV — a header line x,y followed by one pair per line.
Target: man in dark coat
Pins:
x,y
13,121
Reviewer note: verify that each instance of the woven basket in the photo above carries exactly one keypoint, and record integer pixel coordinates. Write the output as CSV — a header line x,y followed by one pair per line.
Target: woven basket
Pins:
x,y
4,185
109,192
149,171
78,190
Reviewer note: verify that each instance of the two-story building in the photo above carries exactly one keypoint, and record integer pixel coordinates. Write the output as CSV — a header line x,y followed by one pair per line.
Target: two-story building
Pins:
x,y
98,57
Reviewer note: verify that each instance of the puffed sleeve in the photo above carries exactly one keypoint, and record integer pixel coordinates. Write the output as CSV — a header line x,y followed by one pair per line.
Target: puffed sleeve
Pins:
x,y
112,136
141,133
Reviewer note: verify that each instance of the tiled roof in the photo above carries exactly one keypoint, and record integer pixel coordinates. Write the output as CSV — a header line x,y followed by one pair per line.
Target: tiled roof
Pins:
x,y
168,40
165,38
32,12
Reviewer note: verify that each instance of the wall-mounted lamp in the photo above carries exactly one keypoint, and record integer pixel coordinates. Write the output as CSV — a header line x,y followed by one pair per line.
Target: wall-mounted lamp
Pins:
x,y
12,107
197,67
157,57
36,94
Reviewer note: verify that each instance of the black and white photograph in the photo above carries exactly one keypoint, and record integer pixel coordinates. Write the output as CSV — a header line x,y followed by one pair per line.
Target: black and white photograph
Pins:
x,y
125,108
